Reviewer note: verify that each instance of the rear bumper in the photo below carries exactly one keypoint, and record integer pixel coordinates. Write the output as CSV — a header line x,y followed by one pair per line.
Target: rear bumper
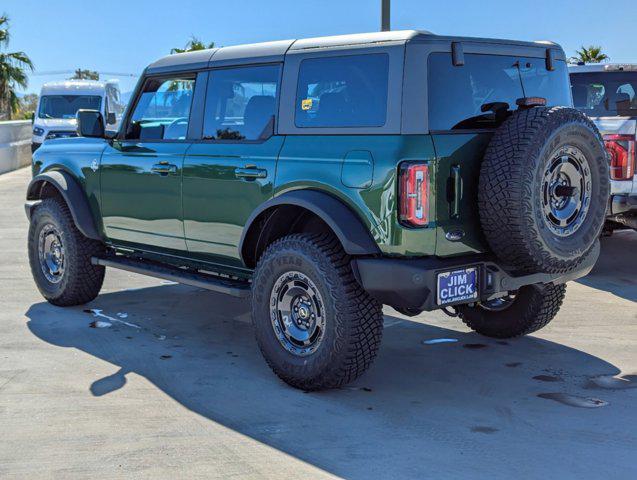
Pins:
x,y
623,209
623,204
412,283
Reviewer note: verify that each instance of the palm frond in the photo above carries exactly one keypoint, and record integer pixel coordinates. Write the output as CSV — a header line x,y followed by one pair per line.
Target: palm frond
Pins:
x,y
194,44
13,71
21,59
18,77
591,54
4,29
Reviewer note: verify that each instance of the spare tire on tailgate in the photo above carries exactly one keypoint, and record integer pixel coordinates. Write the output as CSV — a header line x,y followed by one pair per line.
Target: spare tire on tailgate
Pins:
x,y
543,190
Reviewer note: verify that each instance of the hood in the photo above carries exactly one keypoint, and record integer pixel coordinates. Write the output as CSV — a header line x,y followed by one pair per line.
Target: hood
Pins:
x,y
65,123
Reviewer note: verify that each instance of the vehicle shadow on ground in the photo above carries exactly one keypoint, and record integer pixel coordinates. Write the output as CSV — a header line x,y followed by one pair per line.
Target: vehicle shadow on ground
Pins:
x,y
616,269
421,408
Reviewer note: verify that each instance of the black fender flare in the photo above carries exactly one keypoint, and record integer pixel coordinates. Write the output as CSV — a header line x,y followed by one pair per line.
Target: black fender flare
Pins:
x,y
354,236
72,194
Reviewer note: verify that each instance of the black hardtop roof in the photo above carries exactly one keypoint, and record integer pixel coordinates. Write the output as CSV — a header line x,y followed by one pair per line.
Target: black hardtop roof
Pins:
x,y
275,51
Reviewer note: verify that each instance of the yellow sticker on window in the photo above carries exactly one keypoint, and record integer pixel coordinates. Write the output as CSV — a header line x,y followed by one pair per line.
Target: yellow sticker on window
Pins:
x,y
306,104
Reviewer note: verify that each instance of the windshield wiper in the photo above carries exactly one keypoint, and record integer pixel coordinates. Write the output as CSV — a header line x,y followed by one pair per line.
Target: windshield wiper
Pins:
x,y
494,114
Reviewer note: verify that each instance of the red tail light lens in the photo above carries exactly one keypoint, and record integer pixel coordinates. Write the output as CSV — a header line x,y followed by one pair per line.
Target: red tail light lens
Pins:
x,y
414,194
621,149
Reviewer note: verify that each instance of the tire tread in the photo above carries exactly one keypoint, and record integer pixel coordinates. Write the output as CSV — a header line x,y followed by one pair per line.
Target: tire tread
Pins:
x,y
543,304
361,312
506,187
84,280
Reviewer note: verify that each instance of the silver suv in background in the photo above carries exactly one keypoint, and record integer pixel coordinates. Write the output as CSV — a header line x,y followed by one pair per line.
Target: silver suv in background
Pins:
x,y
607,93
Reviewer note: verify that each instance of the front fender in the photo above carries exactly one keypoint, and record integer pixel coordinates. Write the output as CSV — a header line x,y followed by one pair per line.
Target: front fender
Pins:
x,y
73,195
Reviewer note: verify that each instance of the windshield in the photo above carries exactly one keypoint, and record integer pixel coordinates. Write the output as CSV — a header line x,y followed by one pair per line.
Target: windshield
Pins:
x,y
483,92
600,94
66,106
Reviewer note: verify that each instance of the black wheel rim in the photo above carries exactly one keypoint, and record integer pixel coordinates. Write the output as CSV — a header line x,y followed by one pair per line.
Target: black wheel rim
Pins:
x,y
566,191
297,313
51,253
498,304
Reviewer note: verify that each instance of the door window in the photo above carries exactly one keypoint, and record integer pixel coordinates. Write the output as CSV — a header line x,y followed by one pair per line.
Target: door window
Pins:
x,y
348,91
241,103
162,111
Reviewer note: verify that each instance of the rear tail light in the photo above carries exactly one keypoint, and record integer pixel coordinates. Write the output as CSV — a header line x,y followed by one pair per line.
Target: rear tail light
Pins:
x,y
414,194
621,149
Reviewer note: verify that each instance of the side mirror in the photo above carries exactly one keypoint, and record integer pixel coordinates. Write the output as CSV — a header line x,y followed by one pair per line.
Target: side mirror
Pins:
x,y
32,118
111,119
90,123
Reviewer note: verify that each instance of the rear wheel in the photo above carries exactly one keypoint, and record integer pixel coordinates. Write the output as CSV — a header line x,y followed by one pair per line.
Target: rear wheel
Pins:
x,y
316,327
60,256
525,311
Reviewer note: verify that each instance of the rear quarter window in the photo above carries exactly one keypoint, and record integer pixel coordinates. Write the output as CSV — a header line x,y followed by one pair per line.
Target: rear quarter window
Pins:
x,y
481,93
347,91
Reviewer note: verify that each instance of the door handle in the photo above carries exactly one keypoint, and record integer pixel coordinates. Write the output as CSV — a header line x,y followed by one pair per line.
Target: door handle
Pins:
x,y
164,168
250,173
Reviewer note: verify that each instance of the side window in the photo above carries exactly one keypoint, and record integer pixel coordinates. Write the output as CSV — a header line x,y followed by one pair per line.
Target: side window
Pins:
x,y
241,103
114,100
483,92
163,110
348,91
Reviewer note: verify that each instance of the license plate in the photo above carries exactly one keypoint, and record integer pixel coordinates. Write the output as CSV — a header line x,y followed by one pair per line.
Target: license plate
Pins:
x,y
458,286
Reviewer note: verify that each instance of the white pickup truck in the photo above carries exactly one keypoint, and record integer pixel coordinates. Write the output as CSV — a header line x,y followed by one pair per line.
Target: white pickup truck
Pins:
x,y
608,94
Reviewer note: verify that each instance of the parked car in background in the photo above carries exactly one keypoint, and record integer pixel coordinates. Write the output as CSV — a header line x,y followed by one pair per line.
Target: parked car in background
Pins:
x,y
607,94
60,101
323,178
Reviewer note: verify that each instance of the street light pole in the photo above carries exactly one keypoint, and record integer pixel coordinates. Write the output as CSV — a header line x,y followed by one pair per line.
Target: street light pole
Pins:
x,y
384,18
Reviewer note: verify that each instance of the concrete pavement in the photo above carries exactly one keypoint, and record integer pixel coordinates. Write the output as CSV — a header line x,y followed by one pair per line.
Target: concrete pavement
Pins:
x,y
187,394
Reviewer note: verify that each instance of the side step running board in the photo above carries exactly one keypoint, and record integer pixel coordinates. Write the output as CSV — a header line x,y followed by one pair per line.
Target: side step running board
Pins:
x,y
234,288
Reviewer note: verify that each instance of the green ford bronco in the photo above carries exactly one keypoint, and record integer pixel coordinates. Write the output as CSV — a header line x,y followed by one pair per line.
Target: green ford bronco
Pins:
x,y
324,178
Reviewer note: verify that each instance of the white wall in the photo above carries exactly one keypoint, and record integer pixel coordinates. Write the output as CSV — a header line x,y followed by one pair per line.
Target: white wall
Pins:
x,y
15,145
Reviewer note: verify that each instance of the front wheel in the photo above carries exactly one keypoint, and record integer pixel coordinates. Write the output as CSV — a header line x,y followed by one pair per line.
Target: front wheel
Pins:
x,y
316,327
60,256
528,310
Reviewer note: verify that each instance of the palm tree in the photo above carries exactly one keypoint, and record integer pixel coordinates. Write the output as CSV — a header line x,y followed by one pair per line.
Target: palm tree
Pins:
x,y
85,75
592,54
13,72
193,45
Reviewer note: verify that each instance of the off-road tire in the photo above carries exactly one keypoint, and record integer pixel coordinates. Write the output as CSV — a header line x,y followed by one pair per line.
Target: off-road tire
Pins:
x,y
510,192
532,309
81,281
354,320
